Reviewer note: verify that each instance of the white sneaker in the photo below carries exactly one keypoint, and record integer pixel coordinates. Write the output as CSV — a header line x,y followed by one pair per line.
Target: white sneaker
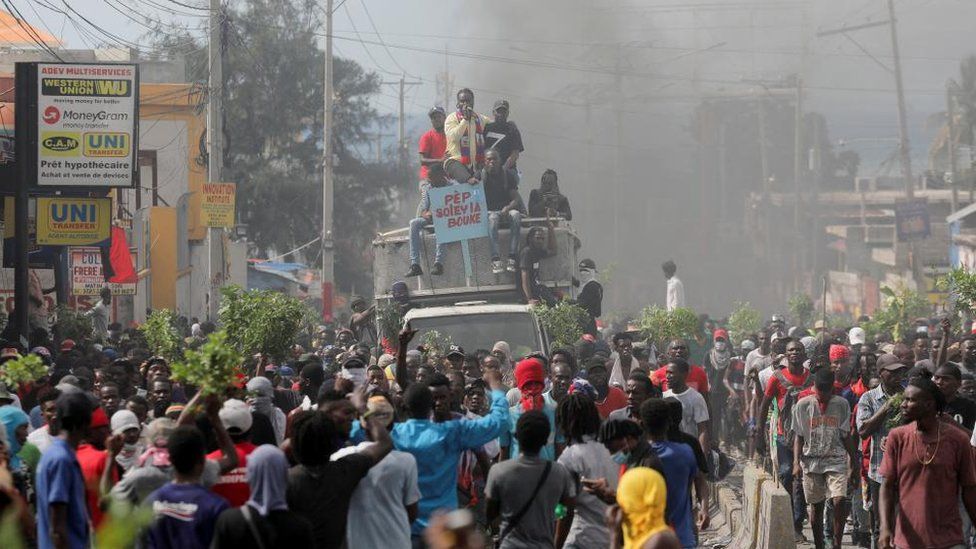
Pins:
x,y
511,265
497,267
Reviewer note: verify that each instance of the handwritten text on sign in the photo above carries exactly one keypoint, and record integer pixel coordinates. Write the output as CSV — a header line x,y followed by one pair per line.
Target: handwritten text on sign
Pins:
x,y
459,212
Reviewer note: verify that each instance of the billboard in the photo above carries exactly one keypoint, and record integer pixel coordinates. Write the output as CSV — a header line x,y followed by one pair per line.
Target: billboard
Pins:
x,y
217,207
73,221
87,275
912,220
86,124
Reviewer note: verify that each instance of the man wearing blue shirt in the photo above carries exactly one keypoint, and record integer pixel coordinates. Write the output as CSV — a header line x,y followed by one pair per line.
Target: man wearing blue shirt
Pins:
x,y
62,515
679,469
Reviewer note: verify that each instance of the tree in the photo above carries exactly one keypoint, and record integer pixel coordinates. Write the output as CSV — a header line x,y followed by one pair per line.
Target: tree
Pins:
x,y
744,321
273,132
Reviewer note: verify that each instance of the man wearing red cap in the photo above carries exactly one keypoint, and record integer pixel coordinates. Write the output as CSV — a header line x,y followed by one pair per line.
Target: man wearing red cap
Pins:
x,y
717,361
530,378
93,458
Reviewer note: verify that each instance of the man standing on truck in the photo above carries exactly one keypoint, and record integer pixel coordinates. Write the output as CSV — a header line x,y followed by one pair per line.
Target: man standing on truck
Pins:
x,y
537,247
503,136
436,177
432,144
465,131
503,201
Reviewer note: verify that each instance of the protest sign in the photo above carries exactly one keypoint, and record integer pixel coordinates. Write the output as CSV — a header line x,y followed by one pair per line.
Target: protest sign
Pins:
x,y
459,212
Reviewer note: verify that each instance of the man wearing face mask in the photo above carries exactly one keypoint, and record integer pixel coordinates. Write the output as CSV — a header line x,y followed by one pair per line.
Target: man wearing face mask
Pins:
x,y
354,369
590,297
261,400
530,378
717,360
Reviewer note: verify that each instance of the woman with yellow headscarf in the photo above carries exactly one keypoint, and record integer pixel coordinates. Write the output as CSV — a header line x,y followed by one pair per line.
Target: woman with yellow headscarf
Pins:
x,y
641,500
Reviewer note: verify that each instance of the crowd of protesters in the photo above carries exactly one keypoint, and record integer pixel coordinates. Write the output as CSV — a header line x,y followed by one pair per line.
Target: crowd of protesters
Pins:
x,y
610,443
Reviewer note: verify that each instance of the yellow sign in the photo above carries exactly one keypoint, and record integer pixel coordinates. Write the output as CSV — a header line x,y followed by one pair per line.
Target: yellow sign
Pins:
x,y
73,221
217,207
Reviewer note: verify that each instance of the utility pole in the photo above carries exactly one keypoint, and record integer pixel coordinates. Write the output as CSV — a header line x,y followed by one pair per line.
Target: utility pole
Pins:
x,y
951,142
215,146
906,159
446,81
797,176
401,85
328,185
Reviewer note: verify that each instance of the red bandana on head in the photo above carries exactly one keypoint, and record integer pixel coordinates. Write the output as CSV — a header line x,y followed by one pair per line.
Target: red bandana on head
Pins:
x,y
530,378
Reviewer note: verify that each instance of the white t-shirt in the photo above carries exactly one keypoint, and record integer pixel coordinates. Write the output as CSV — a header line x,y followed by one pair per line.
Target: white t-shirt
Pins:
x,y
617,372
378,508
693,409
755,360
41,437
676,293
590,460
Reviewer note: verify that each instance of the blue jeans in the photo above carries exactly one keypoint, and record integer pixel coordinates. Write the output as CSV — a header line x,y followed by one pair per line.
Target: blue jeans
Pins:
x,y
515,231
416,241
784,457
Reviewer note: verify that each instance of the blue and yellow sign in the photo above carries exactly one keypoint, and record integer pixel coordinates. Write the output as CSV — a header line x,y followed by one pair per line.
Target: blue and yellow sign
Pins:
x,y
73,221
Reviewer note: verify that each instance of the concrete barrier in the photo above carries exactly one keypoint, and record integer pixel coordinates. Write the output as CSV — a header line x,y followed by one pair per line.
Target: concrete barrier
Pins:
x,y
753,479
775,521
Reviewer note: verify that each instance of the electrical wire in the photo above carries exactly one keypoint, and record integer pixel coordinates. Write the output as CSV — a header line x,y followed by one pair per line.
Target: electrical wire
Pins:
x,y
380,38
32,34
359,38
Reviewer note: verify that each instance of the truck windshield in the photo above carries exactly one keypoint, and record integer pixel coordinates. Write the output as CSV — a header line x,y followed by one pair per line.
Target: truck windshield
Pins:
x,y
481,331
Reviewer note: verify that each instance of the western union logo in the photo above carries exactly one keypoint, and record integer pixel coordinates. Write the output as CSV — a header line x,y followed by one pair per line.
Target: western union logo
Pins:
x,y
86,87
106,144
60,143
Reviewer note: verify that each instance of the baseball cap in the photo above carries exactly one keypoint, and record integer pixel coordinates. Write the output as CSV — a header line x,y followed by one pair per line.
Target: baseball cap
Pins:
x,y
587,264
890,362
235,414
475,386
856,336
436,109
4,393
67,345
9,352
123,420
748,345
286,371
455,350
98,418
720,333
355,361
500,104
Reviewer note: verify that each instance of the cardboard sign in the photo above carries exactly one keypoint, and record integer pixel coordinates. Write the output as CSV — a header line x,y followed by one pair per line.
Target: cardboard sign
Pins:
x,y
87,124
217,206
73,221
87,276
459,211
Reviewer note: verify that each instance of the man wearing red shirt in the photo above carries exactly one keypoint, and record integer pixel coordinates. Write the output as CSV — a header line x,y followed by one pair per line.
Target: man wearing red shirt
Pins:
x,y
93,458
432,144
235,415
608,398
697,378
794,378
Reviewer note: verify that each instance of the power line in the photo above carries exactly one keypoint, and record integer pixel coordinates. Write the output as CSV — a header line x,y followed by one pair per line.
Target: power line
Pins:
x,y
380,38
32,34
363,42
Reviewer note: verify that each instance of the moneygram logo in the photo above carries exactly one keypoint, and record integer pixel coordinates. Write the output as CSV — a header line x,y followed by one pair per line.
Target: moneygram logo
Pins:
x,y
60,143
98,116
106,144
51,115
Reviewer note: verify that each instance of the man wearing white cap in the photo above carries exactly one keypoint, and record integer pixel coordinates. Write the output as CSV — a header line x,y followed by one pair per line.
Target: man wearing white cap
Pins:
x,y
235,415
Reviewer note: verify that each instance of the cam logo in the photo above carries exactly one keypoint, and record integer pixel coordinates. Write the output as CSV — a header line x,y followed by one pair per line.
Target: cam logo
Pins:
x,y
51,115
106,144
60,143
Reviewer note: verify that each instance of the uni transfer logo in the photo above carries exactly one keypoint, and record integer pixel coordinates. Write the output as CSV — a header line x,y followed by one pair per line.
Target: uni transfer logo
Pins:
x,y
51,115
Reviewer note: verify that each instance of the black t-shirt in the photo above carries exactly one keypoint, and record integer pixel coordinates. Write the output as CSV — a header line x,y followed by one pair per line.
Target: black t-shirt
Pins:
x,y
677,435
321,494
495,131
529,259
498,190
278,529
963,411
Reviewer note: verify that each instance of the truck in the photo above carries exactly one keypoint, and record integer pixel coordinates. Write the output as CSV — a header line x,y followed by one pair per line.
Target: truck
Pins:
x,y
469,304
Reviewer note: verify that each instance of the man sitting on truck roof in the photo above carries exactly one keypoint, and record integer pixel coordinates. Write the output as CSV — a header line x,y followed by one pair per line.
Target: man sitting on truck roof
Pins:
x,y
504,203
537,247
465,131
436,177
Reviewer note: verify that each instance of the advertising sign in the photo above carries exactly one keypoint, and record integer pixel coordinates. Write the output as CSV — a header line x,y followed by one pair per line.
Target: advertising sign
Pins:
x,y
217,207
459,211
73,221
912,220
38,257
87,124
87,276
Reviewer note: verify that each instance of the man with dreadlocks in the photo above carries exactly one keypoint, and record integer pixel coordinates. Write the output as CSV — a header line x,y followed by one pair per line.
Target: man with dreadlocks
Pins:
x,y
530,379
585,458
927,463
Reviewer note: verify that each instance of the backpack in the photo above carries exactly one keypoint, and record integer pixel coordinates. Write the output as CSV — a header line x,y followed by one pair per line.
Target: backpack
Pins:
x,y
792,394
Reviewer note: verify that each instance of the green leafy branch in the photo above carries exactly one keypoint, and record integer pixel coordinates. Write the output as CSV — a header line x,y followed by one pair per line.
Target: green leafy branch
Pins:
x,y
662,326
26,369
801,309
262,321
961,286
743,321
563,322
161,335
213,367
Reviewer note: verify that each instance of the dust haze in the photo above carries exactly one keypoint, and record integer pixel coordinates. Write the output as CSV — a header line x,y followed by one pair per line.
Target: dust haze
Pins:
x,y
606,93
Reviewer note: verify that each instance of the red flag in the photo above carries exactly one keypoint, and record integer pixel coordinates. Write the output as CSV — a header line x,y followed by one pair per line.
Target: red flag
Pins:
x,y
121,259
